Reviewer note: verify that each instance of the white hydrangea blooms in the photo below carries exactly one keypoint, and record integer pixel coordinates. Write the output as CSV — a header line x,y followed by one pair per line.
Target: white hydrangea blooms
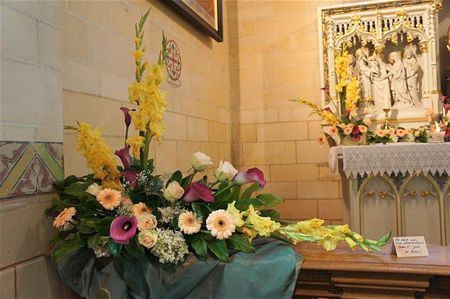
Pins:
x,y
170,213
170,247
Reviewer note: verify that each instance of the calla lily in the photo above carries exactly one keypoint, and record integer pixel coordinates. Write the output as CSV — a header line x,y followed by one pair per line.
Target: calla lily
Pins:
x,y
132,177
253,175
355,133
127,115
123,228
447,133
124,156
447,107
196,191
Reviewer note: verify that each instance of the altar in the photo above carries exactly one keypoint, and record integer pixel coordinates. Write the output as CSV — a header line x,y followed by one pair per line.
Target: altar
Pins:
x,y
345,273
403,188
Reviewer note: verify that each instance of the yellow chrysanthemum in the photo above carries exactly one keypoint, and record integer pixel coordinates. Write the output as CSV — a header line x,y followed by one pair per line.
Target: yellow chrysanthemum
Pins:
x,y
136,143
99,156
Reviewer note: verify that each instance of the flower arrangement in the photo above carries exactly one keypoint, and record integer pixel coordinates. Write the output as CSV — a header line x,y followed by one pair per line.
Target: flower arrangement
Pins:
x,y
128,211
346,122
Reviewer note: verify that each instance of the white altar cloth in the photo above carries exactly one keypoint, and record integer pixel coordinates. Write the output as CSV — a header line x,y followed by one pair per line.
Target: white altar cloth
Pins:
x,y
396,158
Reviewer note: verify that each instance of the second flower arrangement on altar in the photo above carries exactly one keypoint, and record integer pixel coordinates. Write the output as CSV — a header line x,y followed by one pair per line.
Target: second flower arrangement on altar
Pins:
x,y
346,123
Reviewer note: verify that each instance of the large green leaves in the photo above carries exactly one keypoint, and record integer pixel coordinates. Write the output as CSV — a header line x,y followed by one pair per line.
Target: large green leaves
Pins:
x,y
262,200
200,245
219,249
68,247
240,242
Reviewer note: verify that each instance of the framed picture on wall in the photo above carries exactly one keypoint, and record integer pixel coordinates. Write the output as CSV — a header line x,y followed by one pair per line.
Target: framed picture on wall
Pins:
x,y
204,14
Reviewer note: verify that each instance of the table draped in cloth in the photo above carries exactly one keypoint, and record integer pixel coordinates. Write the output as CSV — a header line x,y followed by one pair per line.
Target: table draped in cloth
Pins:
x,y
270,272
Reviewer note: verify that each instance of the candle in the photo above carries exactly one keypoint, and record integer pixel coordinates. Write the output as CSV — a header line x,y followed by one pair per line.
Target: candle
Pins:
x,y
437,136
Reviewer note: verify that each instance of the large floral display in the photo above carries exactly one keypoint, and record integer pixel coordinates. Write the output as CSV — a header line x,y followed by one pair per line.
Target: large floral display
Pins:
x,y
128,211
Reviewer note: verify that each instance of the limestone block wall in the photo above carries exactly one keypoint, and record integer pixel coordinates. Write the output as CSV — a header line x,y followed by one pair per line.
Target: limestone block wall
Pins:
x,y
275,58
97,66
30,146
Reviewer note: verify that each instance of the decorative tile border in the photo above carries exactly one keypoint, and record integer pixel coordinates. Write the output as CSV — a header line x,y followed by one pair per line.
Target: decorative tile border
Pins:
x,y
28,168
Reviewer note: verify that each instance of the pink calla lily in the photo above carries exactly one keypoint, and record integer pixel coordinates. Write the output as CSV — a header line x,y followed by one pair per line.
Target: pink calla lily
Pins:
x,y
123,228
253,175
198,191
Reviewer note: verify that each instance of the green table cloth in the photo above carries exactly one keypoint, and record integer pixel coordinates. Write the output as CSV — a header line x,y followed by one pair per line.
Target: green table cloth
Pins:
x,y
270,272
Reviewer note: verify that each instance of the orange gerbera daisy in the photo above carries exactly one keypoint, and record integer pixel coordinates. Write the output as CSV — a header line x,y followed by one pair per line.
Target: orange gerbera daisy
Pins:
x,y
109,198
63,217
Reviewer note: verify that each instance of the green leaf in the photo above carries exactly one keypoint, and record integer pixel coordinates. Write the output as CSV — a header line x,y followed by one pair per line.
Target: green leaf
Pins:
x,y
384,239
68,247
219,248
187,180
77,190
84,228
201,209
134,248
273,214
262,200
114,248
240,242
249,191
269,199
199,245
176,176
104,226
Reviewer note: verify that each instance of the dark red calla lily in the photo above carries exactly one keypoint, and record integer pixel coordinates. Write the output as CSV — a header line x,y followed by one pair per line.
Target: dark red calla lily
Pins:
x,y
253,175
132,177
124,156
196,191
127,115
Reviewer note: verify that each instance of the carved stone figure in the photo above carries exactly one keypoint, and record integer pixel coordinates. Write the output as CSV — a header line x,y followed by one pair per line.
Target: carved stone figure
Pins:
x,y
412,68
380,83
363,71
397,75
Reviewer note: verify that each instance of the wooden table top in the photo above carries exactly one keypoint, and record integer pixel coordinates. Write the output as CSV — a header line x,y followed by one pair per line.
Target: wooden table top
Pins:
x,y
345,259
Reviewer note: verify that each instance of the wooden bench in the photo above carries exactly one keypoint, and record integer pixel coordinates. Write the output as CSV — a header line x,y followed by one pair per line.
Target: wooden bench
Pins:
x,y
344,273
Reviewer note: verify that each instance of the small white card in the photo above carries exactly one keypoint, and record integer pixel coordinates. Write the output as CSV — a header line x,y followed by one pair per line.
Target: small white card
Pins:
x,y
410,246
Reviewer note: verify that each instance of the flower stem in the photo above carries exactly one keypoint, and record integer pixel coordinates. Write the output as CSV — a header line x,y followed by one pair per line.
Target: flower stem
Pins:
x,y
224,189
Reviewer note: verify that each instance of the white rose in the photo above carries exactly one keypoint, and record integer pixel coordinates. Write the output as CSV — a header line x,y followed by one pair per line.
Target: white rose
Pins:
x,y
146,221
173,192
148,238
200,161
226,171
94,189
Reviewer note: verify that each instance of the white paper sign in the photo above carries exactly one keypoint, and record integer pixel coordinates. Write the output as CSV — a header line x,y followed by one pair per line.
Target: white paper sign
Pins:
x,y
410,246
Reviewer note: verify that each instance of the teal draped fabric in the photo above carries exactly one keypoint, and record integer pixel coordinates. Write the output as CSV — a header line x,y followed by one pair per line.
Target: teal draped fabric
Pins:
x,y
270,272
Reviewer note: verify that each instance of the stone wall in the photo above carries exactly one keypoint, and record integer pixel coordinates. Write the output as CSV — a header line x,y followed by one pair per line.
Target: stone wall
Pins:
x,y
276,59
31,138
97,64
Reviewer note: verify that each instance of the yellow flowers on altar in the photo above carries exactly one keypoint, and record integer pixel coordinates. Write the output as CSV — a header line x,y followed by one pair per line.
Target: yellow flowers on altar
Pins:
x,y
99,157
341,66
353,92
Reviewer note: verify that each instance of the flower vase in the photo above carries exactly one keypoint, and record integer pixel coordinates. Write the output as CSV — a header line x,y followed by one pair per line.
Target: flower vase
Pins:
x,y
348,140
